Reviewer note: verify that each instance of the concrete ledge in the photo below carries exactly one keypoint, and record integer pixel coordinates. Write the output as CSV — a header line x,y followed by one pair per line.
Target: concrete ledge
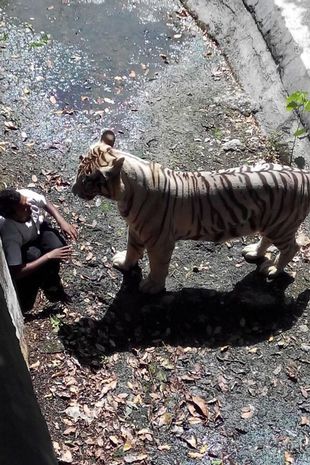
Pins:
x,y
24,435
285,26
233,25
10,300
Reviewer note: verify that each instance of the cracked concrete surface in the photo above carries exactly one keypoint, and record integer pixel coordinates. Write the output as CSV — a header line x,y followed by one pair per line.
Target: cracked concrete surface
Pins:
x,y
285,26
264,56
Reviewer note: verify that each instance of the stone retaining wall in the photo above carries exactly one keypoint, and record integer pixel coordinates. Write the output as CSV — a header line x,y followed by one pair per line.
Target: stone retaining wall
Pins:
x,y
265,58
285,26
24,435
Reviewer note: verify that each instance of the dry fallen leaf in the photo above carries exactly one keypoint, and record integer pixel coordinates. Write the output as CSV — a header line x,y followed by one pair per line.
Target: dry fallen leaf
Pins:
x,y
304,421
108,386
247,412
132,458
115,441
292,370
304,392
201,405
69,430
196,455
191,441
164,419
66,457
127,446
303,240
164,447
10,125
108,100
35,365
195,420
289,459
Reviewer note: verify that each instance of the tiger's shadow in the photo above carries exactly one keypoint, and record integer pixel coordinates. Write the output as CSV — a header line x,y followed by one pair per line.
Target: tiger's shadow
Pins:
x,y
252,312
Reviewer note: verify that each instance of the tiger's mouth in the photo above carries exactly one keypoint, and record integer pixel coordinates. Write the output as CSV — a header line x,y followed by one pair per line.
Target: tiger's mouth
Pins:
x,y
81,194
77,189
87,196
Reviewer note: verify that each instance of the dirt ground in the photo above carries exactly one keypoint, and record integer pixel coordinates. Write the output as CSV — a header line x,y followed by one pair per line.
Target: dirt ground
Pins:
x,y
216,369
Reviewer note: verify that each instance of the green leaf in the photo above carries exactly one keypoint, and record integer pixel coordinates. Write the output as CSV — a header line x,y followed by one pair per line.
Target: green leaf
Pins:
x,y
299,97
292,106
307,106
299,132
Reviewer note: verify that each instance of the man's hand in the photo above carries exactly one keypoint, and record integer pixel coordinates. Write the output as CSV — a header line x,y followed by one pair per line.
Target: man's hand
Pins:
x,y
27,269
69,230
62,253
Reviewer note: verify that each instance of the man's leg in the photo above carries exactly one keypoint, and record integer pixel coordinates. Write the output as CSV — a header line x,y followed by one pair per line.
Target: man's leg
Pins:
x,y
27,288
51,239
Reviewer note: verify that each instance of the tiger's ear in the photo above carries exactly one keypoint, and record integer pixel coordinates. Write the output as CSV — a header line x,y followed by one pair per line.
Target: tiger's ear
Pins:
x,y
108,137
117,165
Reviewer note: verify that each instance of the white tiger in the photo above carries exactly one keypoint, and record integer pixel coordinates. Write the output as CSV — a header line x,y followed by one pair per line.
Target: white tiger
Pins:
x,y
162,206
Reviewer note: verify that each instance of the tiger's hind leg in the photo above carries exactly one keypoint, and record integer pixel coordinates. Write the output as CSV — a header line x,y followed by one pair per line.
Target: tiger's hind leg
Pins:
x,y
254,252
159,264
287,250
129,258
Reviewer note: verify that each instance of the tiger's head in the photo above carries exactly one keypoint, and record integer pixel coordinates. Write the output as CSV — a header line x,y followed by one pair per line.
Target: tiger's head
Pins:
x,y
99,170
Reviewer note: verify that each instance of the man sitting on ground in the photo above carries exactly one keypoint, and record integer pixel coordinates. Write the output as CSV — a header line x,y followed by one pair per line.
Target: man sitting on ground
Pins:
x,y
33,249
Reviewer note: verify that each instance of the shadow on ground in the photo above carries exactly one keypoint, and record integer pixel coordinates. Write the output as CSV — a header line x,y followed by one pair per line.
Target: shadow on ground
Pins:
x,y
252,312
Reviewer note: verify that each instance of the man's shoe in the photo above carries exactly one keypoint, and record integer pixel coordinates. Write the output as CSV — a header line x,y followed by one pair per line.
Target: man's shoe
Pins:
x,y
57,294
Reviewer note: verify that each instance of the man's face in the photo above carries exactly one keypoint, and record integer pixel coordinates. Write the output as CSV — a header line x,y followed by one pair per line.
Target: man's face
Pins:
x,y
22,212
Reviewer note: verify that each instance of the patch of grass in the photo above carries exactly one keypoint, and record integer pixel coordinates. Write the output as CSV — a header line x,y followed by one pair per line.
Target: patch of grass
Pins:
x,y
107,207
4,37
55,323
119,453
41,42
217,133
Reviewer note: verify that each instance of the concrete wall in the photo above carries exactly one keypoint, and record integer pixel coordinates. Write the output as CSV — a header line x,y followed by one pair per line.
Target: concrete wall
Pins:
x,y
285,26
233,28
245,31
24,437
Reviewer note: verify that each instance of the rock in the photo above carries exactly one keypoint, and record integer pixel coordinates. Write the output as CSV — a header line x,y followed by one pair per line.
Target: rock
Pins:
x,y
234,144
305,347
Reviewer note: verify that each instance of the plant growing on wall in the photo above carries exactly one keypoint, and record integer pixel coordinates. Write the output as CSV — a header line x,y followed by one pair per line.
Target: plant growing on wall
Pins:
x,y
298,101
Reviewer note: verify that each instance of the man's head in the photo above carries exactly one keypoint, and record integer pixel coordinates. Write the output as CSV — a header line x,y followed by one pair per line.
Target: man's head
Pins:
x,y
13,205
99,172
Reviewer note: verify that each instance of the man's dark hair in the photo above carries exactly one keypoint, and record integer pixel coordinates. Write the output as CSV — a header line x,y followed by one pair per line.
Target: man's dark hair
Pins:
x,y
9,199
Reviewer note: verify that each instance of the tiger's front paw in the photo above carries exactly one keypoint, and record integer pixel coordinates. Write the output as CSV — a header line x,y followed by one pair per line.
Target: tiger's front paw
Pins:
x,y
269,269
250,253
119,261
149,286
